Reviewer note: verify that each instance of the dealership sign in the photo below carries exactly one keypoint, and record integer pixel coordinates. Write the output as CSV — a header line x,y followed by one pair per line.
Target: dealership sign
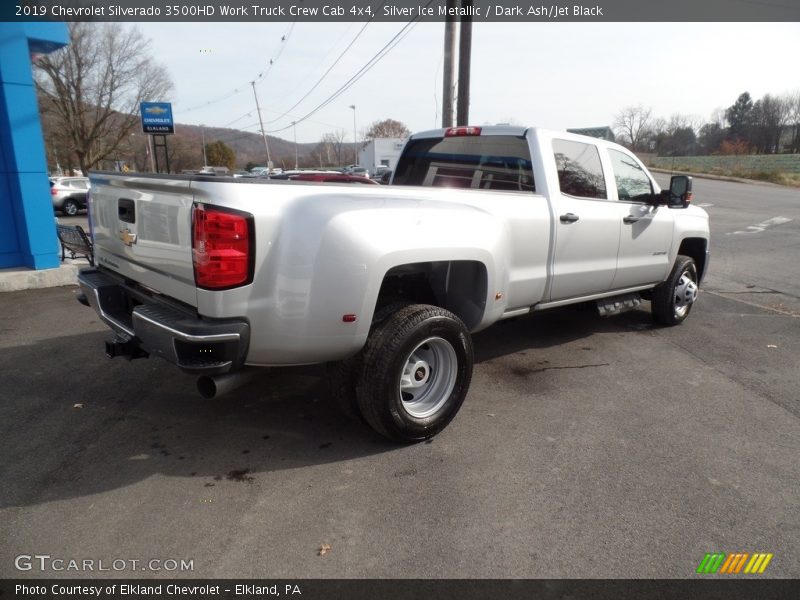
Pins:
x,y
157,117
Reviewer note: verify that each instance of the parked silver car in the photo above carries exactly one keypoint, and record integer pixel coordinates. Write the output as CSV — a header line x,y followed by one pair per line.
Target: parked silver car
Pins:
x,y
356,170
69,194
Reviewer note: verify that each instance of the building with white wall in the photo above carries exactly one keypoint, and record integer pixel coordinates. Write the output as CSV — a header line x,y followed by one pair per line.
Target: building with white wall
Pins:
x,y
380,152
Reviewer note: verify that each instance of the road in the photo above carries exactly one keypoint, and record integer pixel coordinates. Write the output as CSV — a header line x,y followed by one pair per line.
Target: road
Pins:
x,y
587,447
755,241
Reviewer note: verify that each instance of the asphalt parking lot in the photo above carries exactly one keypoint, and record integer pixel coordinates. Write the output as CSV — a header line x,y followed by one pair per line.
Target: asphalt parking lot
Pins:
x,y
587,447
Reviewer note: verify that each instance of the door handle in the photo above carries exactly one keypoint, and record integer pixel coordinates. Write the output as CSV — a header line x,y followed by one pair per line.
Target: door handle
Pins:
x,y
630,219
568,218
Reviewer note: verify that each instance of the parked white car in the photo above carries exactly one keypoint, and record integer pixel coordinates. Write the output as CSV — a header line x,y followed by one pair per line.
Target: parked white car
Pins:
x,y
68,194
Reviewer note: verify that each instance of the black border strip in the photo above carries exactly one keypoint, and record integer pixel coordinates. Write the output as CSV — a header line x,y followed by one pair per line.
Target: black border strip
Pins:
x,y
707,587
510,11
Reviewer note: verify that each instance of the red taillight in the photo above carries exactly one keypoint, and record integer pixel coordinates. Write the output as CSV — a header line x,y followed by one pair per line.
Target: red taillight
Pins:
x,y
461,131
53,191
688,197
221,248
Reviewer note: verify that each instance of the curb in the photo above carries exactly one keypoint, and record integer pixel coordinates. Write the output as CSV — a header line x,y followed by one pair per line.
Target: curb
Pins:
x,y
14,280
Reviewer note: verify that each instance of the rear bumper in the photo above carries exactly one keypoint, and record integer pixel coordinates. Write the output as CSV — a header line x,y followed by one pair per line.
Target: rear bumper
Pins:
x,y
143,321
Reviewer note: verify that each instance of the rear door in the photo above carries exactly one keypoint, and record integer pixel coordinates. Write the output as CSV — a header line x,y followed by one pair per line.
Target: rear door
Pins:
x,y
587,222
79,189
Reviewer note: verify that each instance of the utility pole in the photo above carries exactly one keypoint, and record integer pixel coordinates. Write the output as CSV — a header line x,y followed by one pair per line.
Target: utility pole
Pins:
x,y
261,123
464,59
294,126
203,133
448,77
355,138
150,153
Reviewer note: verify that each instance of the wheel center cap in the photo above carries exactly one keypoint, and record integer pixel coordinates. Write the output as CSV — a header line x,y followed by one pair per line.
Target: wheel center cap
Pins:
x,y
418,373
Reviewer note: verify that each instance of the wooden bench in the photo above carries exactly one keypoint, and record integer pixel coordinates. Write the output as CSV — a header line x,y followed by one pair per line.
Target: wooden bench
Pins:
x,y
75,241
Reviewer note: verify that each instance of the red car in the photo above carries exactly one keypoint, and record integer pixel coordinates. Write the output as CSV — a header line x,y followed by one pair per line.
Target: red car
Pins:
x,y
332,178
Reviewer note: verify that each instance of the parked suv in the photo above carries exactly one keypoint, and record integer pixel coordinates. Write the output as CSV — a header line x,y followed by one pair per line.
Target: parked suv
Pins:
x,y
69,194
356,170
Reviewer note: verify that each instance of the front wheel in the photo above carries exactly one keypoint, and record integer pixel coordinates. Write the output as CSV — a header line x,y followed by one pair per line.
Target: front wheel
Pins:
x,y
673,299
415,373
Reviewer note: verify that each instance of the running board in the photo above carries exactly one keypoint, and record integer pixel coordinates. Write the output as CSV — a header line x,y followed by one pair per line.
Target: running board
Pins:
x,y
617,304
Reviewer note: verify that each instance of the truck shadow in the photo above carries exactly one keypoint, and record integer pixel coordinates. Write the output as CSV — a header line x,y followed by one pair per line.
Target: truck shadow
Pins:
x,y
74,424
555,327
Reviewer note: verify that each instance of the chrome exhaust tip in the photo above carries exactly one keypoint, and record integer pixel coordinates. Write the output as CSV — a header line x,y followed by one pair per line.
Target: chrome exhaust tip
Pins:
x,y
213,386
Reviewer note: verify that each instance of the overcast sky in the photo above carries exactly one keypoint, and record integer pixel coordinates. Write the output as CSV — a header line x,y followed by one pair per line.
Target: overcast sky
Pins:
x,y
554,75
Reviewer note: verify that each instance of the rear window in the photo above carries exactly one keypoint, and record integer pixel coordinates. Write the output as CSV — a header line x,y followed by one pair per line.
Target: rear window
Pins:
x,y
494,162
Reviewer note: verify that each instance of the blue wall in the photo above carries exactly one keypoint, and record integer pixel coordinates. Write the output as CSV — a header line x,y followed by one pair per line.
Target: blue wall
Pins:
x,y
27,226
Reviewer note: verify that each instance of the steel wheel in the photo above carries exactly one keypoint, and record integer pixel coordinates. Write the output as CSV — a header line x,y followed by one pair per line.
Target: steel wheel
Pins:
x,y
685,293
415,372
672,300
428,378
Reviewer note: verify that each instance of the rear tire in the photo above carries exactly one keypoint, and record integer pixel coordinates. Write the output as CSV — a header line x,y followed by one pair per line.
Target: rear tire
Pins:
x,y
343,375
673,299
415,373
70,207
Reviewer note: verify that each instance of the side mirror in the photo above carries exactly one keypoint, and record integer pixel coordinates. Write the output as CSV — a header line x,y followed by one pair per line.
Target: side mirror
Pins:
x,y
680,191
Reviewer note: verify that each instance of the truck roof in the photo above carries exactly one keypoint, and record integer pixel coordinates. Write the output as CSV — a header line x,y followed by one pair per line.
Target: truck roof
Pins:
x,y
520,131
516,130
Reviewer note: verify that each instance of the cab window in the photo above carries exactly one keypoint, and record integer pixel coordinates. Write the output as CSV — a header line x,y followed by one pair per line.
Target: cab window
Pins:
x,y
491,162
579,170
633,184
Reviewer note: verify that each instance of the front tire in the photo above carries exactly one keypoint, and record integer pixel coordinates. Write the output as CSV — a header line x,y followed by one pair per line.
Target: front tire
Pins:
x,y
673,299
415,373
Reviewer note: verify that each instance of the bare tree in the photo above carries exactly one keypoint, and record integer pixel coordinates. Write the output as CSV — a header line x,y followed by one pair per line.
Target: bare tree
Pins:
x,y
94,85
388,128
331,146
632,124
793,101
718,118
770,115
679,121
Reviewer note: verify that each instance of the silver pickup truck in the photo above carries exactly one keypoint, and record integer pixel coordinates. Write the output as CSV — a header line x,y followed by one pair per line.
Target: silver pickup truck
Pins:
x,y
220,276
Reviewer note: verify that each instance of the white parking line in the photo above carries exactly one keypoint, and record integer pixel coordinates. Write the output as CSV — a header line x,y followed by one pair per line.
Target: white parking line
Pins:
x,y
762,226
705,205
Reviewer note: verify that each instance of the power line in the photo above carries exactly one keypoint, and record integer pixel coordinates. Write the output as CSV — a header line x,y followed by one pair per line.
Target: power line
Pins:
x,y
312,88
325,74
323,59
376,58
282,45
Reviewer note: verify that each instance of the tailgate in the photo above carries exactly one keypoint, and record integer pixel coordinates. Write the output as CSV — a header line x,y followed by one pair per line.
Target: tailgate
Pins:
x,y
143,230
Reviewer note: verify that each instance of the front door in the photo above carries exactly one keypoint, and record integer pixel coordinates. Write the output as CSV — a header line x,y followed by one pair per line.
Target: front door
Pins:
x,y
646,229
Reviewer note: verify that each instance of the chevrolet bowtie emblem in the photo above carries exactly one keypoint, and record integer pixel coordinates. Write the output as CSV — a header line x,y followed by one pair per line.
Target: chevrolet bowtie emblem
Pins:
x,y
128,238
